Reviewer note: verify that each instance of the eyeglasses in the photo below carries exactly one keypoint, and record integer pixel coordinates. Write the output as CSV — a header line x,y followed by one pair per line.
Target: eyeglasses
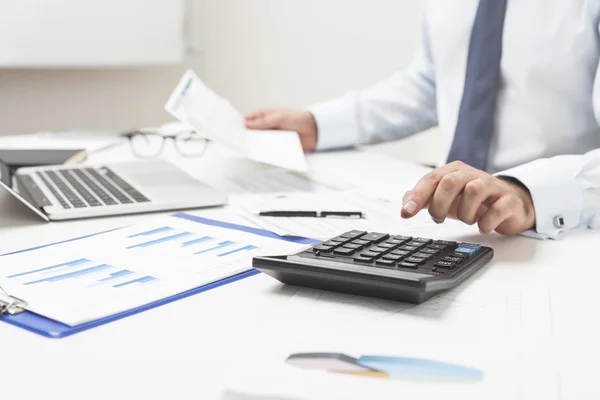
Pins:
x,y
145,144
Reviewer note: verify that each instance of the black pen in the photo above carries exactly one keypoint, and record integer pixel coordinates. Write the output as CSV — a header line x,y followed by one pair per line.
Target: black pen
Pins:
x,y
313,214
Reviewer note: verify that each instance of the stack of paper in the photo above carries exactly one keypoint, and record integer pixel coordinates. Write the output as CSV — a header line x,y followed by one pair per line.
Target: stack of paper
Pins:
x,y
192,102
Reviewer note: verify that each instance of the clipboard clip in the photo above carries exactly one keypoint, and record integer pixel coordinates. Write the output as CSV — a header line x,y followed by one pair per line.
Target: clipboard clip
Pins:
x,y
9,304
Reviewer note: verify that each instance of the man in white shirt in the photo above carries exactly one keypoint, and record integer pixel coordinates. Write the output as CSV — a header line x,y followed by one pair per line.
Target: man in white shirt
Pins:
x,y
515,89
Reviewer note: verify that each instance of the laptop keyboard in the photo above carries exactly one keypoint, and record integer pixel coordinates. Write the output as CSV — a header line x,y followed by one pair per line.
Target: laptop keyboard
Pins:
x,y
90,187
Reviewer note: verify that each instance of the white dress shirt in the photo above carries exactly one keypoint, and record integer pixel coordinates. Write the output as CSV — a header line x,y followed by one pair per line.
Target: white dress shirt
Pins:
x,y
547,130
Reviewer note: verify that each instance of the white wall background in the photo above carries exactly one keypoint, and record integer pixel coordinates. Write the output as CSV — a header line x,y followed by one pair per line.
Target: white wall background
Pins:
x,y
257,53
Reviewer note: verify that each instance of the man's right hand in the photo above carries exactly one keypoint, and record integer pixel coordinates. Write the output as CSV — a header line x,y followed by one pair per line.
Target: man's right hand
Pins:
x,y
302,122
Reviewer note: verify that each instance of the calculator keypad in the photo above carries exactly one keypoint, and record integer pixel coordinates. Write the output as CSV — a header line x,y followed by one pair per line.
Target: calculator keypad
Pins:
x,y
380,250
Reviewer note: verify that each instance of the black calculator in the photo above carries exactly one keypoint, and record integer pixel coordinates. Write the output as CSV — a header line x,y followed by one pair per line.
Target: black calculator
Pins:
x,y
397,267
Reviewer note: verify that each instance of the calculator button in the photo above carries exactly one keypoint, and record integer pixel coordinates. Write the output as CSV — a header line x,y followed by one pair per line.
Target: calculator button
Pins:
x,y
445,264
366,260
359,241
405,264
378,249
331,243
392,257
408,248
429,251
386,263
339,240
344,251
353,246
415,260
396,241
400,253
322,248
423,240
375,237
370,254
387,245
459,255
416,244
353,234
437,246
402,238
425,256
456,260
445,243
469,249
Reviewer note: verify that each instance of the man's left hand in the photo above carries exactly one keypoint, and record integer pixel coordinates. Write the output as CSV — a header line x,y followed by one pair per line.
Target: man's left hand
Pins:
x,y
461,192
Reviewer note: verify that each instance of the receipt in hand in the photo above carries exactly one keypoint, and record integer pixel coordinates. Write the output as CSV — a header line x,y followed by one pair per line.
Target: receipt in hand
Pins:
x,y
193,103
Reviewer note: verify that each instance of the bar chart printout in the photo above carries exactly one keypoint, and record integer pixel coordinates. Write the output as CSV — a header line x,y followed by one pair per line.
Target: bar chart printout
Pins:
x,y
86,272
133,266
187,242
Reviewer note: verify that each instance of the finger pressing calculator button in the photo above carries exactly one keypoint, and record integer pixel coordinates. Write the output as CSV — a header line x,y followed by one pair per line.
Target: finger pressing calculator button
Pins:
x,y
322,248
353,234
375,237
343,251
445,264
405,264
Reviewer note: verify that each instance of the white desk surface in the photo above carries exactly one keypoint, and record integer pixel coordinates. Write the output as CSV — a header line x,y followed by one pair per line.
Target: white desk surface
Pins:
x,y
231,343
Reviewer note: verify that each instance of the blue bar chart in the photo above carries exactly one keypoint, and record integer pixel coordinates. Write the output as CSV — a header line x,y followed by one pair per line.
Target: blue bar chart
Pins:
x,y
144,279
116,275
216,248
245,248
88,272
74,263
184,241
152,232
162,240
70,275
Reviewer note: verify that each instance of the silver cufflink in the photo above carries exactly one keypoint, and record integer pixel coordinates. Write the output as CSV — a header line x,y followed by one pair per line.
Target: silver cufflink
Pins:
x,y
559,222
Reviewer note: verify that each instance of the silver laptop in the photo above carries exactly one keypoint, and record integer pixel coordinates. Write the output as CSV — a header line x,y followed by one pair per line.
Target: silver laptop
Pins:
x,y
73,192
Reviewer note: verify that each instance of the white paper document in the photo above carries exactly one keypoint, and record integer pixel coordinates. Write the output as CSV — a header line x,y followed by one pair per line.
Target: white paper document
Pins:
x,y
192,102
381,214
92,278
278,180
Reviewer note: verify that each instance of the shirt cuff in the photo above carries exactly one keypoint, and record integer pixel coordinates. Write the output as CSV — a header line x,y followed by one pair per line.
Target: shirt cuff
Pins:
x,y
556,194
337,124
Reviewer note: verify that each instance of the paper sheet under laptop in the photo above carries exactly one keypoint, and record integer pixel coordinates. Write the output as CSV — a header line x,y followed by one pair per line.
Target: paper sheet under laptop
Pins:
x,y
192,102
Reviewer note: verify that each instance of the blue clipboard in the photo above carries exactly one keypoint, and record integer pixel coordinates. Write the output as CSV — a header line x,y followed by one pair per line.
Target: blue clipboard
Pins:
x,y
52,329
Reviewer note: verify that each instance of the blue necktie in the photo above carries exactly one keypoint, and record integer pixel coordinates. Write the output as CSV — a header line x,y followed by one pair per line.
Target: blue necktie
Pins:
x,y
473,134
